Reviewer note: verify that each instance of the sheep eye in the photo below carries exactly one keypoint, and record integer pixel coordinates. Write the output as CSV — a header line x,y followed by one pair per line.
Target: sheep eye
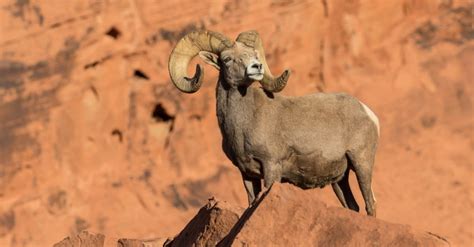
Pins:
x,y
227,59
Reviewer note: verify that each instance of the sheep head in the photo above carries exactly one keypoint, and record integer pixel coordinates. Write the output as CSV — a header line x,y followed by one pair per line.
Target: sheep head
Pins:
x,y
240,62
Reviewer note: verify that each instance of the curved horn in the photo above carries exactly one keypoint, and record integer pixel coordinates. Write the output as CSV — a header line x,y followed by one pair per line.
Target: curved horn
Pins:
x,y
187,48
269,82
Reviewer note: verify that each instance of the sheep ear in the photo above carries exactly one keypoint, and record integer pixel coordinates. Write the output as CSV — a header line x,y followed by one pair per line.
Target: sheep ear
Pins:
x,y
210,58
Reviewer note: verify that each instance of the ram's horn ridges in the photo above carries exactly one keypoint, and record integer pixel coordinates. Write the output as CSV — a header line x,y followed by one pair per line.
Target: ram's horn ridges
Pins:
x,y
187,48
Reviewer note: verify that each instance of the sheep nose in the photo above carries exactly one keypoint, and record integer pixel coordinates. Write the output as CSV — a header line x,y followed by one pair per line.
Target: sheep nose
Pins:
x,y
257,66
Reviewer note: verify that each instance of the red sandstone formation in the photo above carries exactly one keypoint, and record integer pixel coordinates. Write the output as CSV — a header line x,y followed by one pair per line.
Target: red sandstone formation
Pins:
x,y
94,137
285,216
289,216
210,225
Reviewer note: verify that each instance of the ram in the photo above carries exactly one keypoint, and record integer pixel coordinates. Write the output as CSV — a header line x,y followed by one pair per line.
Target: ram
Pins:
x,y
309,141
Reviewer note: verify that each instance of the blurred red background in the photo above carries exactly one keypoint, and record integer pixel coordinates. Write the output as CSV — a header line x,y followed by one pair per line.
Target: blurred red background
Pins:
x,y
94,136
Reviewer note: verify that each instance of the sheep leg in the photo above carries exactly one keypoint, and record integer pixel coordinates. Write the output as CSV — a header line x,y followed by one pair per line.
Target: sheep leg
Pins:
x,y
364,178
253,187
340,195
344,193
367,193
271,173
363,171
347,192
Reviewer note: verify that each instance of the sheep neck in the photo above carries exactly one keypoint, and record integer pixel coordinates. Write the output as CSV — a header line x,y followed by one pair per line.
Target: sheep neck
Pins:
x,y
234,113
233,104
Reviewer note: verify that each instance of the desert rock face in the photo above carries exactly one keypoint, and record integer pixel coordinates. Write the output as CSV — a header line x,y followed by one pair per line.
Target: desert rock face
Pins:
x,y
93,136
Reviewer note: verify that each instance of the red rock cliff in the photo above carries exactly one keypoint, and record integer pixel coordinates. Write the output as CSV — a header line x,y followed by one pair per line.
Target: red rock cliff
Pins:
x,y
94,136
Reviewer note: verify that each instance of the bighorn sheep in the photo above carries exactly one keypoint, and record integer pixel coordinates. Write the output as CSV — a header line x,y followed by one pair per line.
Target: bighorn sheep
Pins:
x,y
309,141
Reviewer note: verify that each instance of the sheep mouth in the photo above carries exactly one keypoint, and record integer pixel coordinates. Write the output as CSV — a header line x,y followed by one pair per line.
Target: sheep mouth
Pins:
x,y
256,76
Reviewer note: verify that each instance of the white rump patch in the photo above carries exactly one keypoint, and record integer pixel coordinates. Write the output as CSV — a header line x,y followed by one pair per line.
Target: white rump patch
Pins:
x,y
372,117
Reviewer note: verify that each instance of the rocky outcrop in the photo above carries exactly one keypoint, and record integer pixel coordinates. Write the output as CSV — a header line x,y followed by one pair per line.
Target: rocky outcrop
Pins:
x,y
210,225
83,239
141,243
94,137
283,216
289,216
86,239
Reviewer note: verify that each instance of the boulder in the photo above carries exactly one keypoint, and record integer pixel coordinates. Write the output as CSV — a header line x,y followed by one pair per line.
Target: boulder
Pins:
x,y
83,239
125,242
211,224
